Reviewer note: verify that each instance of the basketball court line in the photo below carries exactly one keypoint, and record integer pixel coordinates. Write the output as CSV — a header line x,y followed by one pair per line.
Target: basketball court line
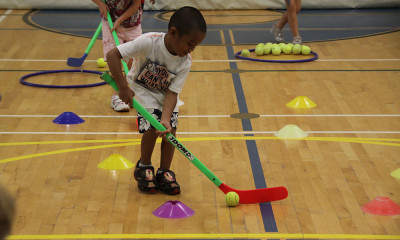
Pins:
x,y
4,15
215,116
202,133
375,141
207,236
216,60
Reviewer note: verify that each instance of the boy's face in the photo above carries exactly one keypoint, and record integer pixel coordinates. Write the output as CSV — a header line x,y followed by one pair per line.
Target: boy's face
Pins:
x,y
184,44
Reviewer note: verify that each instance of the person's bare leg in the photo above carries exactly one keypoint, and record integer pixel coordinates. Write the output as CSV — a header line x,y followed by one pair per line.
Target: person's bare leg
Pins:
x,y
283,21
293,7
167,153
147,146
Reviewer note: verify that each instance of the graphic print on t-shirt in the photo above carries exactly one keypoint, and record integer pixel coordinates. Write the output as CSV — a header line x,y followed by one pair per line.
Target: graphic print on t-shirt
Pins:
x,y
155,76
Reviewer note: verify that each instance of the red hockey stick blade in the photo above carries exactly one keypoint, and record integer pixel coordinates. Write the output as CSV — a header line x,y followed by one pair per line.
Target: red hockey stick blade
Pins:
x,y
257,195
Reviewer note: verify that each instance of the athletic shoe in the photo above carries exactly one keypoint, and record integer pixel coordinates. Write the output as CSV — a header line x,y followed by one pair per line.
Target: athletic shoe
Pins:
x,y
167,182
145,178
277,33
118,105
297,40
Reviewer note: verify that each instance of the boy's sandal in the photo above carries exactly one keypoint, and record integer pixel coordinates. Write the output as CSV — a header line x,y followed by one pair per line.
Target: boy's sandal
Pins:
x,y
167,183
145,178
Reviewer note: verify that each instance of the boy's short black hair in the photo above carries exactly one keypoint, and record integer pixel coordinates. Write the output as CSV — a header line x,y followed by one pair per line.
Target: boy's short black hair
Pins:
x,y
187,19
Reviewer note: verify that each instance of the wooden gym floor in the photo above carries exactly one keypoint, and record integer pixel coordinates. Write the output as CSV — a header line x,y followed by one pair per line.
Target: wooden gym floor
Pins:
x,y
346,161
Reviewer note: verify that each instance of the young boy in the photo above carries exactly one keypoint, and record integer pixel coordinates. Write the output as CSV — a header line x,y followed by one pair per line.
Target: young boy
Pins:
x,y
127,18
162,63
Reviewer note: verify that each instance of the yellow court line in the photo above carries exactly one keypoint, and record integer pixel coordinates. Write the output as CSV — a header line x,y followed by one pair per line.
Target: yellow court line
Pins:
x,y
336,139
206,236
136,142
72,141
65,151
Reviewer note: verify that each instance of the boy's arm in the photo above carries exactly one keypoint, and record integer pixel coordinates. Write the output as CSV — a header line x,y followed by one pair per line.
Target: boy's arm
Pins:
x,y
134,7
103,8
114,64
170,101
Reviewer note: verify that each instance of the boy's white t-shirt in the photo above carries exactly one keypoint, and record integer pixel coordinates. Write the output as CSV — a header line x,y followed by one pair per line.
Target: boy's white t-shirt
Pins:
x,y
154,69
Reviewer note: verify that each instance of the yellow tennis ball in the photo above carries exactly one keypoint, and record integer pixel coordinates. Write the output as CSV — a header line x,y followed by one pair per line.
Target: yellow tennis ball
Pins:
x,y
282,46
296,49
305,50
267,49
276,51
287,49
259,51
260,45
245,53
101,63
232,199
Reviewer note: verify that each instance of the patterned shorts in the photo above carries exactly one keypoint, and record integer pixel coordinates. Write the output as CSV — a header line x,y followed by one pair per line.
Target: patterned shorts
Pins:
x,y
145,125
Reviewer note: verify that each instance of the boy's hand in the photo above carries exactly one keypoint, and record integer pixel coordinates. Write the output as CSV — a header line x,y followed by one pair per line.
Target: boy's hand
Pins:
x,y
126,94
168,127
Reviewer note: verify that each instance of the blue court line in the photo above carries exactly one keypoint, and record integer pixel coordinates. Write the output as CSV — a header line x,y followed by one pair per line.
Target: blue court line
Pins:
x,y
258,175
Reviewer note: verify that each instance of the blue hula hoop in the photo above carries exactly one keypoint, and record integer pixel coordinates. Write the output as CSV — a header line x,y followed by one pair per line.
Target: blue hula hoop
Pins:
x,y
277,61
22,79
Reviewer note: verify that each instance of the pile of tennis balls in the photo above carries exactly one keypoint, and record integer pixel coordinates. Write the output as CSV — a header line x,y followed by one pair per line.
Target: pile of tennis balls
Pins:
x,y
277,49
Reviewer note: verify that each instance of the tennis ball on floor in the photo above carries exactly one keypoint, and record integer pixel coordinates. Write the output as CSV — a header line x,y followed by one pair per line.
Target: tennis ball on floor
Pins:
x,y
232,199
282,46
259,51
260,45
287,49
305,50
267,49
290,44
275,45
245,53
101,63
268,44
296,49
276,51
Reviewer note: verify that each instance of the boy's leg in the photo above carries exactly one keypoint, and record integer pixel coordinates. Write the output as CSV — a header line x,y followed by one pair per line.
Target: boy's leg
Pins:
x,y
144,171
165,177
147,146
167,153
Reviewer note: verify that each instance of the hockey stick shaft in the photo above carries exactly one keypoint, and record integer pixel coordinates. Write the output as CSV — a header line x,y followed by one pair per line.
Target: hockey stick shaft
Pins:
x,y
175,142
94,38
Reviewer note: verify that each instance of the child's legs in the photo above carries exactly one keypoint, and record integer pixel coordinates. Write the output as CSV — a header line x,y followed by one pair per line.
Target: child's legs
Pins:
x,y
167,153
293,7
147,146
150,136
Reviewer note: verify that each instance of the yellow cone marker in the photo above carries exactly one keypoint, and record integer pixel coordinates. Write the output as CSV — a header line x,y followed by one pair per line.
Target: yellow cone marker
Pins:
x,y
291,131
301,102
115,162
396,173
